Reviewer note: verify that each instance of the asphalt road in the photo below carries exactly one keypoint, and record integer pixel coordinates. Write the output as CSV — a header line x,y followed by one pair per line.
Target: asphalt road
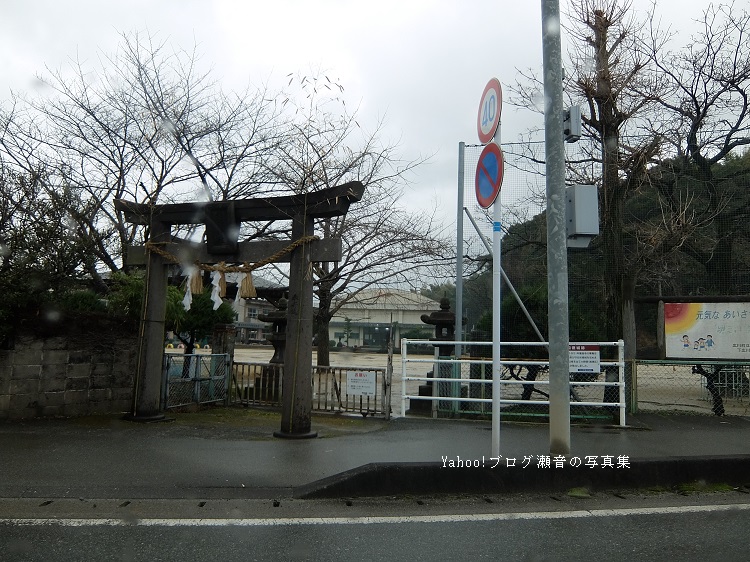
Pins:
x,y
625,526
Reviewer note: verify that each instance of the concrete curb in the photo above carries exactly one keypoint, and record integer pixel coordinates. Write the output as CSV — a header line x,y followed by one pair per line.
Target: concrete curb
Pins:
x,y
381,479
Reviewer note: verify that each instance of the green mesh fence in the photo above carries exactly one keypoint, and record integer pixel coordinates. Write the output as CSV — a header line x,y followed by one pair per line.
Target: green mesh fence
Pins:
x,y
195,379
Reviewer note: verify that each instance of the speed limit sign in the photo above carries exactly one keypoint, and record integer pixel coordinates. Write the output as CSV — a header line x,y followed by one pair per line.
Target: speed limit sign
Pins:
x,y
490,107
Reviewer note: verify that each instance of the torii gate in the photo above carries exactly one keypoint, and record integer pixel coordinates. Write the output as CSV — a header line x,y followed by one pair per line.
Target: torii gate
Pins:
x,y
222,221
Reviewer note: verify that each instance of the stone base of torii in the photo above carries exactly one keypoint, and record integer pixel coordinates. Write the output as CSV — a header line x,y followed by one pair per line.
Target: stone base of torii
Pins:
x,y
222,221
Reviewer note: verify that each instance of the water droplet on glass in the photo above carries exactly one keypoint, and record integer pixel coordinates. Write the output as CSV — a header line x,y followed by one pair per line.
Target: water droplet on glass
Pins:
x,y
552,25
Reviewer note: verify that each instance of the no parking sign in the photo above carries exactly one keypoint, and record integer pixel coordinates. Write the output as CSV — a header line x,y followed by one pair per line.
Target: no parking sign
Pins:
x,y
489,176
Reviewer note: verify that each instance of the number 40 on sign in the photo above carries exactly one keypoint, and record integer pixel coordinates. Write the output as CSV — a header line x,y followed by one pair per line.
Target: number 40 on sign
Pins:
x,y
490,107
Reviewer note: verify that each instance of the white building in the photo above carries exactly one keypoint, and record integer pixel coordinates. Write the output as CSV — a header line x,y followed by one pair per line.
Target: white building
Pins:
x,y
249,328
365,320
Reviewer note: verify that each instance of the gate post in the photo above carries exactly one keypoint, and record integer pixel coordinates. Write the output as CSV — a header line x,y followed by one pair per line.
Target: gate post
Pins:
x,y
296,383
147,396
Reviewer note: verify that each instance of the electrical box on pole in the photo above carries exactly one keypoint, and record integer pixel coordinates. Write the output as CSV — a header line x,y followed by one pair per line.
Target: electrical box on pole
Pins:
x,y
572,124
582,210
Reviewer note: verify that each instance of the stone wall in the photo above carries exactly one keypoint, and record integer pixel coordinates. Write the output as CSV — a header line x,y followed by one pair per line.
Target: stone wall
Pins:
x,y
67,375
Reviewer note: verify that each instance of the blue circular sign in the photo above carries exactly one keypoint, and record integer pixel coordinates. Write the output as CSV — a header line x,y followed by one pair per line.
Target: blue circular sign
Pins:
x,y
489,176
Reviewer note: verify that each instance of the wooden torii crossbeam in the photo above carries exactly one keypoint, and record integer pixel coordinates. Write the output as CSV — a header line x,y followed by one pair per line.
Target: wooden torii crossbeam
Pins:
x,y
222,221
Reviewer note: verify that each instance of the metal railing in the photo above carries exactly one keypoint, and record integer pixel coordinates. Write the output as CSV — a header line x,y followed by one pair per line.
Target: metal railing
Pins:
x,y
464,385
195,379
362,390
255,384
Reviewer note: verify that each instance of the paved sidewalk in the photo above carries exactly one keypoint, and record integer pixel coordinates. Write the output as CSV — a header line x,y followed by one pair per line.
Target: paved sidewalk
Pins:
x,y
232,453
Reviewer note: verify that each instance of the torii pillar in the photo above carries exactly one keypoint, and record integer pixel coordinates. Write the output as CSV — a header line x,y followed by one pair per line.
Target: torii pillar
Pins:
x,y
223,220
296,382
147,392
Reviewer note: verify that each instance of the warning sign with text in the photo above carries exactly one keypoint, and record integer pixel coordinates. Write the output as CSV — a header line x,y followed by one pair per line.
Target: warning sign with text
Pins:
x,y
584,358
361,383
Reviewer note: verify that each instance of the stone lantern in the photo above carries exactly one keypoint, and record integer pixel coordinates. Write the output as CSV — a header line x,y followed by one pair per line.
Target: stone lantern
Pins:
x,y
444,321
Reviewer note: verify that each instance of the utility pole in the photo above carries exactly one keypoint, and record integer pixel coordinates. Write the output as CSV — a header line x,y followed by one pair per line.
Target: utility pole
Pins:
x,y
557,254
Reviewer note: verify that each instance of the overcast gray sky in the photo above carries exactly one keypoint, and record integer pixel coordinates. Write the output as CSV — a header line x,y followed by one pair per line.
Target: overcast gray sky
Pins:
x,y
419,64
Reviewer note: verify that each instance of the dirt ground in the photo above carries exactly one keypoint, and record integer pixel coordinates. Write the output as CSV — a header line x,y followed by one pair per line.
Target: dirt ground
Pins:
x,y
677,388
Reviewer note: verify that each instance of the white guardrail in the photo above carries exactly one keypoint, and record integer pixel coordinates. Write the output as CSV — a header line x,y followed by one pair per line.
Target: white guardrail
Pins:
x,y
451,377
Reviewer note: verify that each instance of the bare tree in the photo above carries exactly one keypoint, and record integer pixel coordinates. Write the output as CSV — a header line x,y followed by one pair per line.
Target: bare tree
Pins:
x,y
610,74
705,114
643,218
383,243
146,125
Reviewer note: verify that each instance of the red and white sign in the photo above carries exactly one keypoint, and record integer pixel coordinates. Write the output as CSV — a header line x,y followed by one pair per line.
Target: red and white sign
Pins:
x,y
490,107
489,176
584,358
361,383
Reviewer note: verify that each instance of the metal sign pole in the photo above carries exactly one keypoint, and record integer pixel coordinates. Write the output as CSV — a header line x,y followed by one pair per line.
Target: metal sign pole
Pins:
x,y
497,367
489,179
460,251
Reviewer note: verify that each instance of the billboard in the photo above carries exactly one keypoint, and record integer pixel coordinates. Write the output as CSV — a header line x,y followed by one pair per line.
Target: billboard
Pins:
x,y
707,330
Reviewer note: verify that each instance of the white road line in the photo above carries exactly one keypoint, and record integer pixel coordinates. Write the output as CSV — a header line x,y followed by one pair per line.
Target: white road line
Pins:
x,y
457,518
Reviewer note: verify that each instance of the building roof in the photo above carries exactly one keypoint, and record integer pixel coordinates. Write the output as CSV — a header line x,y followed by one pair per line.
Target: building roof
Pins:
x,y
390,299
258,281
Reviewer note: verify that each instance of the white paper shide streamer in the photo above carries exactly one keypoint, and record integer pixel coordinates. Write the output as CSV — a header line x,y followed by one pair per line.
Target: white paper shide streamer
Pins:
x,y
237,304
216,289
189,273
